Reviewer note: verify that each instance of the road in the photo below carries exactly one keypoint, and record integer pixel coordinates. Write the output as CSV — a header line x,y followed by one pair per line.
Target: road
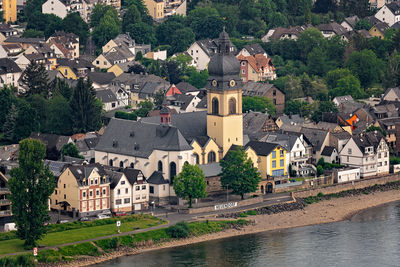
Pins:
x,y
175,217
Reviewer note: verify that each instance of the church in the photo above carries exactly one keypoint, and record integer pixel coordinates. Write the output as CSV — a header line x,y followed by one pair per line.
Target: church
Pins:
x,y
160,146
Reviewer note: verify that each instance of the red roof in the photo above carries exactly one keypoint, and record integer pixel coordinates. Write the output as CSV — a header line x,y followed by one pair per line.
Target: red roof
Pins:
x,y
173,90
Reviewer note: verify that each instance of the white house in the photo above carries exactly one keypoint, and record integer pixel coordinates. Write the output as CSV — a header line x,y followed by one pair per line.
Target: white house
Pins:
x,y
201,53
348,174
350,22
61,8
330,154
389,13
367,151
9,72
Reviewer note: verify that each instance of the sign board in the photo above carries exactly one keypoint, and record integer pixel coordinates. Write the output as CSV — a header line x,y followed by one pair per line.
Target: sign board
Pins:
x,y
118,223
35,252
225,206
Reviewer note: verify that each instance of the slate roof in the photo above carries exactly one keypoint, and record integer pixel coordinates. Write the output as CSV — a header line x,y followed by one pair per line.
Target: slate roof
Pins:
x,y
394,7
211,169
157,178
328,151
372,20
254,122
52,74
8,66
51,140
114,177
315,136
278,32
382,26
254,49
368,139
262,148
190,124
83,171
396,25
132,175
149,89
56,167
257,89
396,90
333,27
342,135
186,87
203,103
294,119
74,64
284,140
102,78
344,98
182,101
106,96
352,20
15,39
139,139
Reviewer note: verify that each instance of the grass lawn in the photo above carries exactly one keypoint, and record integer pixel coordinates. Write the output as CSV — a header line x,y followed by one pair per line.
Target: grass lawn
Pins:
x,y
57,238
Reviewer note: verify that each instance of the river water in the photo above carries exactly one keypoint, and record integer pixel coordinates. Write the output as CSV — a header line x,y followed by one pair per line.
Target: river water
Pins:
x,y
370,238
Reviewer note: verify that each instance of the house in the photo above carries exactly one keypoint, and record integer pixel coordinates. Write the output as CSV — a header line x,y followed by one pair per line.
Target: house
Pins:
x,y
101,79
53,142
112,57
346,174
339,100
126,41
12,50
156,55
273,161
281,33
188,89
256,125
175,7
379,30
252,50
184,103
9,72
66,44
330,154
385,111
389,13
212,174
128,194
331,29
61,8
392,94
389,125
84,189
349,23
256,68
120,68
159,188
9,10
367,151
108,98
25,43
86,145
6,31
155,8
266,90
201,52
339,139
5,203
376,4
74,69
318,139
290,120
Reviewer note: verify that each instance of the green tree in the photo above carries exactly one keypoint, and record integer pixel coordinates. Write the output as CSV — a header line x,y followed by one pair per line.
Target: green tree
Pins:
x,y
6,100
158,99
258,103
316,62
144,108
59,117
85,107
392,73
323,106
27,121
190,183
205,22
310,39
32,33
108,28
333,76
348,85
143,33
365,66
31,185
75,24
181,40
363,24
320,170
8,127
61,87
70,150
195,78
238,173
36,80
131,16
324,6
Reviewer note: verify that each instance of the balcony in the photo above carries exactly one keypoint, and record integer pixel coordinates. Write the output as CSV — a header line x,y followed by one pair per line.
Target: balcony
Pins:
x,y
5,213
5,202
4,190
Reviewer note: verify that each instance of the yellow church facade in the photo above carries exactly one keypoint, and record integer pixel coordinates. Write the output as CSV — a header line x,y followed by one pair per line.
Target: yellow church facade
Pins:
x,y
10,10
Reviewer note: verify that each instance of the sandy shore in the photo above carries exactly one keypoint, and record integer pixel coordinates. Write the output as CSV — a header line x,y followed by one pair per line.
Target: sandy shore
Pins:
x,y
323,212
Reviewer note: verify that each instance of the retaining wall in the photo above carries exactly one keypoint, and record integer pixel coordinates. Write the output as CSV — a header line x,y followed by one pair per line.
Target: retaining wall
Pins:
x,y
358,184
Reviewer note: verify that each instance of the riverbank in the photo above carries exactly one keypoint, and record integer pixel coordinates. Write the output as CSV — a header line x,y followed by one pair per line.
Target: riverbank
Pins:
x,y
327,211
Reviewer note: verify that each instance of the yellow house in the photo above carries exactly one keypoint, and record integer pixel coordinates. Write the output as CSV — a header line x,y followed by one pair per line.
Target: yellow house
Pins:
x,y
156,8
116,69
10,10
379,30
67,72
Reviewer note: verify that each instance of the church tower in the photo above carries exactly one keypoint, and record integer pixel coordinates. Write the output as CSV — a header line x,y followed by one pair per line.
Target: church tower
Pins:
x,y
224,97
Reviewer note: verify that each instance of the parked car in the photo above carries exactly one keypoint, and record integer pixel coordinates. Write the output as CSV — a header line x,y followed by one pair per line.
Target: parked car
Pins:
x,y
62,221
120,213
83,219
103,216
107,212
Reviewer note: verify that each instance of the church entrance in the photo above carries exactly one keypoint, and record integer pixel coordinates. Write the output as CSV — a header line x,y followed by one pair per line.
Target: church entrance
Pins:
x,y
269,188
262,189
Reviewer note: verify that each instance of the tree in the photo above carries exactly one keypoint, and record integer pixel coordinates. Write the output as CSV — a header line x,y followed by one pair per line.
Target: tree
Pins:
x,y
36,80
392,73
324,6
32,33
108,27
323,106
31,185
27,121
144,108
75,24
144,33
131,16
238,173
181,40
333,76
258,103
137,69
320,170
363,24
6,100
8,127
190,183
85,107
70,150
361,8
374,128
348,85
59,116
158,99
316,62
61,87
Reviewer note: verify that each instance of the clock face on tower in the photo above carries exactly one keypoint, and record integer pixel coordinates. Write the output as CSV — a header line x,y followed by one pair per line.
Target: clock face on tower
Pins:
x,y
214,83
232,83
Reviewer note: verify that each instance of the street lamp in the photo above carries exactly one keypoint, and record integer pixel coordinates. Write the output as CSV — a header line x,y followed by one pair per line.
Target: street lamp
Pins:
x,y
154,205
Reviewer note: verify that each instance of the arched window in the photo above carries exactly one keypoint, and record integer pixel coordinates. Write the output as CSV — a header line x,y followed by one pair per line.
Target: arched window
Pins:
x,y
215,106
159,166
196,158
232,106
121,164
172,172
110,162
211,157
186,163
132,165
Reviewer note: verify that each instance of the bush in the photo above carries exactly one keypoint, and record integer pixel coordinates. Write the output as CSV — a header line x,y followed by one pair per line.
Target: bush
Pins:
x,y
127,241
8,235
252,212
49,255
242,215
179,230
126,115
79,249
107,244
25,260
320,194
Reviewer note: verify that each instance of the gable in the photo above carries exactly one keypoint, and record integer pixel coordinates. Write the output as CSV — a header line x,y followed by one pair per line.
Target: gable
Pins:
x,y
355,150
67,177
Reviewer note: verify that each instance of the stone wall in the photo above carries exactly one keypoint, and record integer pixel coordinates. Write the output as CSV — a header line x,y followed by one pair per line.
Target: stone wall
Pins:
x,y
359,184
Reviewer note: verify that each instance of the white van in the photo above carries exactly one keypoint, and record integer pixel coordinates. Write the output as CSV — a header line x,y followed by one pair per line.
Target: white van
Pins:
x,y
9,227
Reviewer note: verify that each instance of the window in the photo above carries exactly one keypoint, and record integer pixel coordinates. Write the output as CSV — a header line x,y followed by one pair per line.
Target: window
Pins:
x,y
215,106
281,153
160,166
64,185
104,191
122,182
151,189
196,158
211,157
379,155
91,193
274,164
56,202
97,192
298,146
385,163
143,196
55,192
163,187
127,200
119,191
172,172
65,196
137,188
274,154
243,71
121,163
349,151
91,181
84,194
281,163
274,93
95,181
110,162
126,190
274,100
385,154
232,106
143,187
118,202
137,197
348,158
